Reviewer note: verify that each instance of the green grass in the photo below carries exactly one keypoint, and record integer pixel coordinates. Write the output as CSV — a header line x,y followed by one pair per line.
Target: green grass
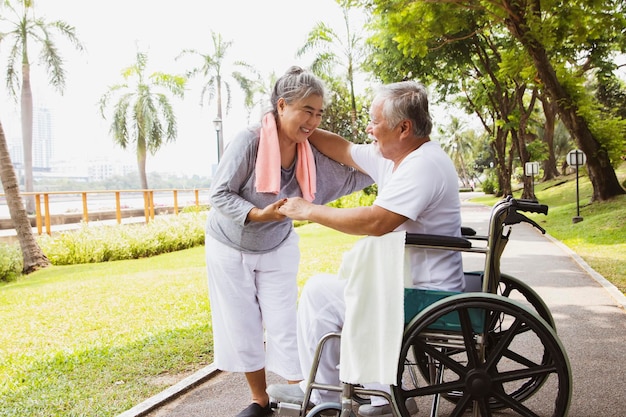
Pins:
x,y
97,339
93,339
600,239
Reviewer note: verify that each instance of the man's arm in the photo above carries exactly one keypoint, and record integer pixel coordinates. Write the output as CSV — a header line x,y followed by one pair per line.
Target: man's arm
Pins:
x,y
333,146
372,220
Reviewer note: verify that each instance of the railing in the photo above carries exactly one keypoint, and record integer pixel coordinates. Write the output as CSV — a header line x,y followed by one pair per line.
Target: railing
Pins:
x,y
69,198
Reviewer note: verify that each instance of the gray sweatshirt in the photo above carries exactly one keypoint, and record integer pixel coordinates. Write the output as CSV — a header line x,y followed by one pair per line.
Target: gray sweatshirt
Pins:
x,y
233,194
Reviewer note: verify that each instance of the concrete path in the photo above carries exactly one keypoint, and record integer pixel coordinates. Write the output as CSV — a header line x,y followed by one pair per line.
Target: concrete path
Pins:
x,y
589,313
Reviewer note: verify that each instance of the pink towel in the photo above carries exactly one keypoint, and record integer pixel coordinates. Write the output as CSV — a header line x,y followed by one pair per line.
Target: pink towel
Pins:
x,y
268,162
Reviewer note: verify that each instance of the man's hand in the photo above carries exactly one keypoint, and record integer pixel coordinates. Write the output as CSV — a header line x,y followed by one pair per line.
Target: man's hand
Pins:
x,y
296,208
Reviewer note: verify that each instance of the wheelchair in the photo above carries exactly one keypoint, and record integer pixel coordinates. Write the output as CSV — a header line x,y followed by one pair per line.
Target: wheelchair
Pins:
x,y
491,350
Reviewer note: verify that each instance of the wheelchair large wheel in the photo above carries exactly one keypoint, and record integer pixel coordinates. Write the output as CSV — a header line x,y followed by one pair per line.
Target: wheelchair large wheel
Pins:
x,y
518,290
485,351
327,410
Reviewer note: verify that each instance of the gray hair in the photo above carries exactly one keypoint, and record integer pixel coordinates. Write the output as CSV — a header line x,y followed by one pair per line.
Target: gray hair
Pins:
x,y
406,100
296,84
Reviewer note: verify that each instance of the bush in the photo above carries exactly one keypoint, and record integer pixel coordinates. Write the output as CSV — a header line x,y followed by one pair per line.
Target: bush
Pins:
x,y
356,199
490,184
11,262
91,244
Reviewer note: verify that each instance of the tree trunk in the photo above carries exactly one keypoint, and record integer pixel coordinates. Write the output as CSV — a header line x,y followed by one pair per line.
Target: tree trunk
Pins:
x,y
220,134
601,173
32,255
355,135
27,135
503,164
550,170
141,162
520,136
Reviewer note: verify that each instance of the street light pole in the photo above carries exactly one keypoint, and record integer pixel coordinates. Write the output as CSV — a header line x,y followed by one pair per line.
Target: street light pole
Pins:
x,y
217,124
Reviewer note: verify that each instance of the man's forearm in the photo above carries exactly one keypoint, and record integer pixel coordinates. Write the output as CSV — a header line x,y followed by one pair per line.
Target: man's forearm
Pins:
x,y
354,221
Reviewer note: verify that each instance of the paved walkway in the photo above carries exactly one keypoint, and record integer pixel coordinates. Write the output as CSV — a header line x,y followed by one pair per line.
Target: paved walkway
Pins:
x,y
589,313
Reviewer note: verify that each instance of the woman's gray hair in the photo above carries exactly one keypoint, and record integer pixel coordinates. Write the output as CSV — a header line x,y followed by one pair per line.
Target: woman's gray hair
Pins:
x,y
406,100
296,84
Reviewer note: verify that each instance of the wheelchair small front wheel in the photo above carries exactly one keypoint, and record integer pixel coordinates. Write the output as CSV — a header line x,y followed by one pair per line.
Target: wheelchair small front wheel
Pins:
x,y
327,410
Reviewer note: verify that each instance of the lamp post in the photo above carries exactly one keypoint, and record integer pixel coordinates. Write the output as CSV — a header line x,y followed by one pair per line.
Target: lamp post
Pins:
x,y
576,158
531,169
217,124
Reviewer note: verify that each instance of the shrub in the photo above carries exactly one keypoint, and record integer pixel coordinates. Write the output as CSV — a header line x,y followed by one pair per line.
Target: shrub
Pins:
x,y
91,244
11,262
490,184
356,199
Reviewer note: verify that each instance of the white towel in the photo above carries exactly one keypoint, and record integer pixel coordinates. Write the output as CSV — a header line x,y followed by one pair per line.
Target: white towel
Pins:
x,y
374,322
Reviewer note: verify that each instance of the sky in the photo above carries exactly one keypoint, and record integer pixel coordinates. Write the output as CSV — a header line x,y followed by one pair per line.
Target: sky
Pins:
x,y
265,34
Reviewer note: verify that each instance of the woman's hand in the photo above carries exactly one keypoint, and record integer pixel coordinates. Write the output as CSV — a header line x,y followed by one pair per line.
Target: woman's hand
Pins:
x,y
270,213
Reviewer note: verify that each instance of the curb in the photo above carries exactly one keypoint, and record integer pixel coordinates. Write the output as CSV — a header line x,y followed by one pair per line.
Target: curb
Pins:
x,y
619,297
172,392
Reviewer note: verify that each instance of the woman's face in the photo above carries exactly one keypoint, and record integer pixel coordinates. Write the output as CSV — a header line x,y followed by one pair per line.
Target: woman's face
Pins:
x,y
300,118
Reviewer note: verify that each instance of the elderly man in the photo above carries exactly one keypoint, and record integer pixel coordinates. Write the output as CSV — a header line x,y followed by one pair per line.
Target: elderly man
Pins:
x,y
417,193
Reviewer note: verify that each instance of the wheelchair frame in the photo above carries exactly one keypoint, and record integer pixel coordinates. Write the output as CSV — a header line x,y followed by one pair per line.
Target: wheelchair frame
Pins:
x,y
493,352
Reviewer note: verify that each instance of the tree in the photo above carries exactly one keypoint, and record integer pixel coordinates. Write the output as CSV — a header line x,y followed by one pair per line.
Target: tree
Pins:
x,y
142,114
458,144
32,255
211,71
450,49
561,39
334,50
338,116
532,23
26,28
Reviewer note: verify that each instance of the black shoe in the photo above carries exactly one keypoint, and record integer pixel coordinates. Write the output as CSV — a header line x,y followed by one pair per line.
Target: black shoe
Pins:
x,y
255,410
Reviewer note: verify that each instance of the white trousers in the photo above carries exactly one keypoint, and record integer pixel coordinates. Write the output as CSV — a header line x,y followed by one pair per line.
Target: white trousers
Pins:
x,y
253,297
322,310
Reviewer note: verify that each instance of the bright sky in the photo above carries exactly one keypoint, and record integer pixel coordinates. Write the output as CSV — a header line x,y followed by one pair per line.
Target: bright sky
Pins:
x,y
265,34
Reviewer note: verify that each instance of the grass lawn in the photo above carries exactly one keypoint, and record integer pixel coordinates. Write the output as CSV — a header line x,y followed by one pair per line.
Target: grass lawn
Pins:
x,y
97,339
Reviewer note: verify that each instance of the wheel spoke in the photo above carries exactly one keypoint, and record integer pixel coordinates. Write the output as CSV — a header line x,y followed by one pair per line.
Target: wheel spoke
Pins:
x,y
513,404
516,357
442,357
434,389
461,405
520,374
496,353
468,337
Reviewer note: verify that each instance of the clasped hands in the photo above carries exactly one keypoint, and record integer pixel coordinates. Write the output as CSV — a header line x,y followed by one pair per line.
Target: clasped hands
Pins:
x,y
296,208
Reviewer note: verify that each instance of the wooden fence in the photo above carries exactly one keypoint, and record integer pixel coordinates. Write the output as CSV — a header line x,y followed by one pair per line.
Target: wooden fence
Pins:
x,y
44,216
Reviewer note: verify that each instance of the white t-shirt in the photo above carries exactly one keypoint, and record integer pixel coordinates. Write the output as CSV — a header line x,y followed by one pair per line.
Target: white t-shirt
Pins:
x,y
425,189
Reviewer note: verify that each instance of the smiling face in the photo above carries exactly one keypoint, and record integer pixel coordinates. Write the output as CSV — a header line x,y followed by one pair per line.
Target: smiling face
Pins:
x,y
299,119
384,135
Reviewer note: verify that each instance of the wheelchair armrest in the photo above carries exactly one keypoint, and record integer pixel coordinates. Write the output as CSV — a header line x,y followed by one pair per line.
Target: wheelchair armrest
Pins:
x,y
467,231
437,240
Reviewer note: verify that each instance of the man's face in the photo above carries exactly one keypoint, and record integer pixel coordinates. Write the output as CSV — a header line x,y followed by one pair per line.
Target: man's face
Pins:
x,y
384,136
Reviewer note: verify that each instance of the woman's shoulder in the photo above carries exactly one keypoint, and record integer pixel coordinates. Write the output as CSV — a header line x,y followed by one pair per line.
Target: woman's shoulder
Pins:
x,y
247,137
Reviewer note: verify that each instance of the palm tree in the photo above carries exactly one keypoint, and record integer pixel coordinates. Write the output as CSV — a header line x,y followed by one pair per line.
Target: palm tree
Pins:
x,y
33,257
335,50
211,71
457,142
143,114
26,27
